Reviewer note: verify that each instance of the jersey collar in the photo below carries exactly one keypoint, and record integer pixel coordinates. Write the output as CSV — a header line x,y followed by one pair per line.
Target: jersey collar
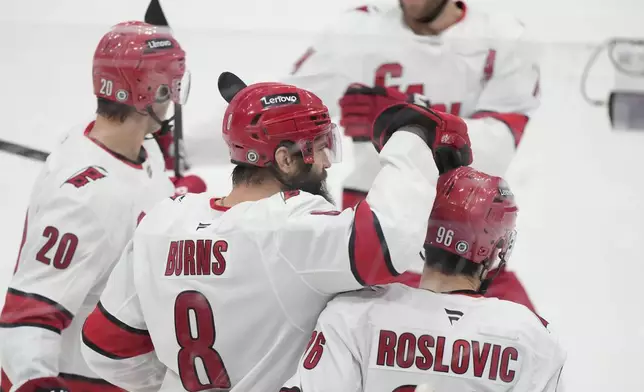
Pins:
x,y
143,154
467,293
217,207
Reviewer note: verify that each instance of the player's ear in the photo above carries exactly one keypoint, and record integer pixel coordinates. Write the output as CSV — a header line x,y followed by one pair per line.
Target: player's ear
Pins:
x,y
284,160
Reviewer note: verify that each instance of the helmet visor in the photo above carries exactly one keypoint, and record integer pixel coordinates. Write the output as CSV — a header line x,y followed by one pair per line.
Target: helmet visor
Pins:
x,y
333,148
508,245
177,92
325,147
181,88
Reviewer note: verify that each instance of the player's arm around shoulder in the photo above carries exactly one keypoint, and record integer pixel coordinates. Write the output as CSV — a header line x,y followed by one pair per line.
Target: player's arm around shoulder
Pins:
x,y
334,355
372,243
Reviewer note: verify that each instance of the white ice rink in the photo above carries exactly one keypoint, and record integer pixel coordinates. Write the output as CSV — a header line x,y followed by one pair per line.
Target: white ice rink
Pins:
x,y
579,184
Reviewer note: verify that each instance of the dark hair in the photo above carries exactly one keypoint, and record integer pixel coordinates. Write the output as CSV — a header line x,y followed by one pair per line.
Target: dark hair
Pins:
x,y
449,263
113,110
250,175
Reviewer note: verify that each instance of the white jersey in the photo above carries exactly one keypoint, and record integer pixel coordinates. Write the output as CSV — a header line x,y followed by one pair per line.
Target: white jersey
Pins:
x,y
401,339
82,212
479,69
241,288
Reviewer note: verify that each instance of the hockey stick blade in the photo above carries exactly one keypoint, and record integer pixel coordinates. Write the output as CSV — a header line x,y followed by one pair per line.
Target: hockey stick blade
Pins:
x,y
23,151
229,85
154,14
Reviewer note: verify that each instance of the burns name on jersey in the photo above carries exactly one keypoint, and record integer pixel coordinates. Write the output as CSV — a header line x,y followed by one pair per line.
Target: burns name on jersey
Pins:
x,y
196,257
426,352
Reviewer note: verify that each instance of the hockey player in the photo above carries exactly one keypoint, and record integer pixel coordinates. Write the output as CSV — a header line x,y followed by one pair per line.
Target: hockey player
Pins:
x,y
443,336
84,208
215,293
465,61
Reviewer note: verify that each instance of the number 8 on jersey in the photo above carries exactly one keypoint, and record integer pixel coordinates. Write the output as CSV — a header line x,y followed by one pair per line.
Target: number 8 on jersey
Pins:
x,y
200,366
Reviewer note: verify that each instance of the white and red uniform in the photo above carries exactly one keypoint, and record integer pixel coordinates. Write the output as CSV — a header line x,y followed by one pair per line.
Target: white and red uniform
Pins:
x,y
401,339
241,288
82,212
478,69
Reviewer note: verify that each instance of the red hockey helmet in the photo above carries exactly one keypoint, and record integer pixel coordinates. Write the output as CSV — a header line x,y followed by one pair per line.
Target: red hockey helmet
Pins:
x,y
262,116
138,64
474,216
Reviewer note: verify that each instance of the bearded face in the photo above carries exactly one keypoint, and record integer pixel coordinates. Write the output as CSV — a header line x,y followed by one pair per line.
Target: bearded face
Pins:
x,y
309,178
293,173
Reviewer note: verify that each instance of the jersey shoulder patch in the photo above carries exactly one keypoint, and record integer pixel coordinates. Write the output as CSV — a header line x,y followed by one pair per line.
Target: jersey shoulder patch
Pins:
x,y
86,176
87,184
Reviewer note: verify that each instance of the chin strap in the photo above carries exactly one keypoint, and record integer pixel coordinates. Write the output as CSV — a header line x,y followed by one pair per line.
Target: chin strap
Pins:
x,y
434,14
166,125
485,283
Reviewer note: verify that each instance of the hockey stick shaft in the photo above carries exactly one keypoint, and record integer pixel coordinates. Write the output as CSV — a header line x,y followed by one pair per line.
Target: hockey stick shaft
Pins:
x,y
154,15
177,136
23,151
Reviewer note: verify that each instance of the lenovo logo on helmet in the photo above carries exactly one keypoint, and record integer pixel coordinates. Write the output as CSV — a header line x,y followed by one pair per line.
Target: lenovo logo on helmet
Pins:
x,y
159,43
505,192
280,99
